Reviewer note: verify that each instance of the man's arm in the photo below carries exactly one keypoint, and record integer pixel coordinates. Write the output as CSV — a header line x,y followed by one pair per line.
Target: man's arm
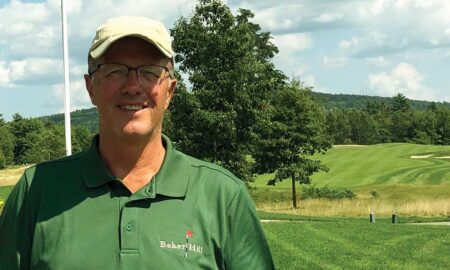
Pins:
x,y
15,233
246,246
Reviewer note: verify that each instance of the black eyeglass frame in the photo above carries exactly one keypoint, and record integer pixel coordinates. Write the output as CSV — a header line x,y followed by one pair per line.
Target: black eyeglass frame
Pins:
x,y
97,68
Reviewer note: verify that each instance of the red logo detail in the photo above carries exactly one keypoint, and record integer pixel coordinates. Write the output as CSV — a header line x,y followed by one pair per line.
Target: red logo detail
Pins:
x,y
189,234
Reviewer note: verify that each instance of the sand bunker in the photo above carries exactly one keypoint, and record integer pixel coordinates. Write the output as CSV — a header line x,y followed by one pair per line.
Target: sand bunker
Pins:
x,y
427,156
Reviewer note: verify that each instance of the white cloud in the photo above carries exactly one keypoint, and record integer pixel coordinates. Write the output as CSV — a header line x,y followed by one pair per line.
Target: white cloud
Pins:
x,y
79,99
328,17
309,80
20,18
4,74
334,62
289,57
405,79
406,24
293,42
372,44
78,70
34,70
379,61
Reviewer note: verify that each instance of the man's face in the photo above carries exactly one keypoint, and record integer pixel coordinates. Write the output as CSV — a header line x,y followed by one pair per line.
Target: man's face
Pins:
x,y
129,109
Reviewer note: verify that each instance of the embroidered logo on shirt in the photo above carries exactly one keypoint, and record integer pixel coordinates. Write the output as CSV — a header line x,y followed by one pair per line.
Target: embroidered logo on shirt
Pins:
x,y
186,246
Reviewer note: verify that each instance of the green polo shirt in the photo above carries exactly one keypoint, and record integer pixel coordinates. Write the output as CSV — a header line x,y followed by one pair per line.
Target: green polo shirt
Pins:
x,y
73,213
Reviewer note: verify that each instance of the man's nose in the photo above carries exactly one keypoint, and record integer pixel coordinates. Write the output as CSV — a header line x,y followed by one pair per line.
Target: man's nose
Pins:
x,y
132,84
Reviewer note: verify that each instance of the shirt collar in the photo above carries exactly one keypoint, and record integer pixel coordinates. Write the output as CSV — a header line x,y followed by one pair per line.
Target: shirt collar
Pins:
x,y
172,179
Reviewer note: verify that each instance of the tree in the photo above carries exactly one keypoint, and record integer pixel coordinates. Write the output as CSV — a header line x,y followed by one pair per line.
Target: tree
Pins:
x,y
338,126
380,114
363,128
2,121
81,138
2,160
36,141
7,145
26,133
400,103
401,128
227,59
424,127
443,125
291,132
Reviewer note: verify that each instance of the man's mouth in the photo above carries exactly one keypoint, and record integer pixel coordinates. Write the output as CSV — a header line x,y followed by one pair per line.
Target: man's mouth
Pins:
x,y
132,107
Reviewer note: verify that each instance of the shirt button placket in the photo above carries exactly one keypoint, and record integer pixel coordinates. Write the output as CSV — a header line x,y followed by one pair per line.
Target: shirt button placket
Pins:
x,y
129,235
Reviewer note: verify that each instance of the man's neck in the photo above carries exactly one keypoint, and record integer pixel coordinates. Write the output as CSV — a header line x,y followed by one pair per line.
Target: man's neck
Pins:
x,y
134,161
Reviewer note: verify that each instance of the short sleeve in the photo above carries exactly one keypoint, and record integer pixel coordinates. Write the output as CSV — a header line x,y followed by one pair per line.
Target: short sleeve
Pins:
x,y
246,246
15,232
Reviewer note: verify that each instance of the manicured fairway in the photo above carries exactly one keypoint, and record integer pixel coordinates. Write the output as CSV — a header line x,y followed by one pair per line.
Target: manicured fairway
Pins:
x,y
379,165
356,244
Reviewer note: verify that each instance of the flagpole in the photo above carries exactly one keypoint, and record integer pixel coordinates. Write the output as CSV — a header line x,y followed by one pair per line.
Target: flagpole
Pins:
x,y
66,81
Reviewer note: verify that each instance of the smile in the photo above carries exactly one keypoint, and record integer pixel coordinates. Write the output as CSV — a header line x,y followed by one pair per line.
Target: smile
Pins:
x,y
132,107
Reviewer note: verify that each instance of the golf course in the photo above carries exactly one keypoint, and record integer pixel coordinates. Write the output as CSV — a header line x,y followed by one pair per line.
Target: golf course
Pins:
x,y
412,181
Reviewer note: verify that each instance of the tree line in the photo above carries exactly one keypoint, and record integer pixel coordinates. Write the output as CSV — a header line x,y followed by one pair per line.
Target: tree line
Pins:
x,y
380,122
33,140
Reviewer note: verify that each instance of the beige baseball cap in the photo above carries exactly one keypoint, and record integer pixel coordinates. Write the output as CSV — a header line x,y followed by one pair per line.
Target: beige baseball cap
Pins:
x,y
147,29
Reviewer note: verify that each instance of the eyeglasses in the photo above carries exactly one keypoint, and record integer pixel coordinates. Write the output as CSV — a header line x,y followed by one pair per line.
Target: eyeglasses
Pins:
x,y
148,75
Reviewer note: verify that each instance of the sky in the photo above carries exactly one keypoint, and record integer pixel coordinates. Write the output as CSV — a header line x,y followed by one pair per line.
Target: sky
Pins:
x,y
376,48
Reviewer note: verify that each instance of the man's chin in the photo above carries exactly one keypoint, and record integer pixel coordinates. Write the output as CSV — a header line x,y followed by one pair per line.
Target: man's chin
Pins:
x,y
136,132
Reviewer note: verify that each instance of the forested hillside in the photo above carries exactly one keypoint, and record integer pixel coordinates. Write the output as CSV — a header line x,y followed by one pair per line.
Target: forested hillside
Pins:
x,y
88,117
345,101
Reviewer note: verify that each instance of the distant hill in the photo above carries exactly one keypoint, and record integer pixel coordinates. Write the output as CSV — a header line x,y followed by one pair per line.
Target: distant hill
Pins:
x,y
89,117
345,101
85,117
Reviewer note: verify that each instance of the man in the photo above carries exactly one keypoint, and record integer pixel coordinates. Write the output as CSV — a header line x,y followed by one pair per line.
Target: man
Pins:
x,y
131,201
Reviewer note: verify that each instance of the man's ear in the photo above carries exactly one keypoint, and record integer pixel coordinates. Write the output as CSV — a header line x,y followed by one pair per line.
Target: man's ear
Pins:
x,y
88,81
170,91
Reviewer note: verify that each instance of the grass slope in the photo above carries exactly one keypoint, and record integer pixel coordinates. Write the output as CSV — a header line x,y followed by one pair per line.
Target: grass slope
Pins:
x,y
380,165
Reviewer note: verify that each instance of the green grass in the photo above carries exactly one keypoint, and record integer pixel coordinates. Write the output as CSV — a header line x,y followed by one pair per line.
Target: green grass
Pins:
x,y
288,217
4,192
349,243
357,167
411,186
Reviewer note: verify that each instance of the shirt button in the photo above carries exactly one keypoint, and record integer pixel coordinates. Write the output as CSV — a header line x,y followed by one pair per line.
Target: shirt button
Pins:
x,y
129,227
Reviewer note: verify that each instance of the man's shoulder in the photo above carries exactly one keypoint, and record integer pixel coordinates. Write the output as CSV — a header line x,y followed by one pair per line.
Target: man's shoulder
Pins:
x,y
63,165
209,171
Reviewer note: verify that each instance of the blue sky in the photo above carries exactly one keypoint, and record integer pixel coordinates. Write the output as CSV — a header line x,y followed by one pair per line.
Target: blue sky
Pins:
x,y
379,47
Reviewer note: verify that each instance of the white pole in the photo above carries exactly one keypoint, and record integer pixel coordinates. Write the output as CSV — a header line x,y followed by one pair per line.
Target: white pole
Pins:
x,y
66,81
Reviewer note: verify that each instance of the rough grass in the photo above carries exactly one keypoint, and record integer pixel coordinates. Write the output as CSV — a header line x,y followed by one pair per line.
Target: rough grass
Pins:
x,y
405,200
361,207
10,176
